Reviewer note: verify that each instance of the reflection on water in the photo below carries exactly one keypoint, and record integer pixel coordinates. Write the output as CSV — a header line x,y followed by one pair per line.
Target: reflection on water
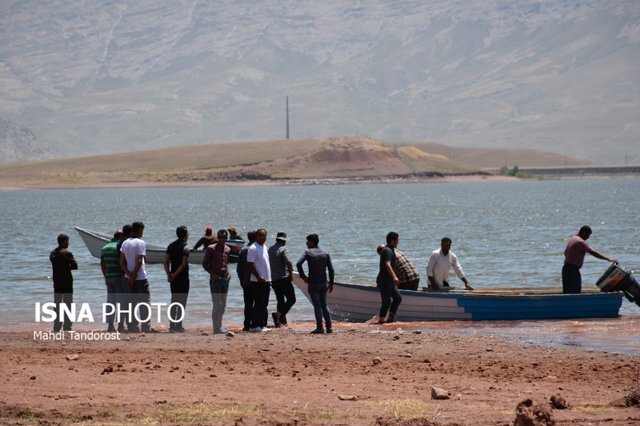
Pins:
x,y
505,234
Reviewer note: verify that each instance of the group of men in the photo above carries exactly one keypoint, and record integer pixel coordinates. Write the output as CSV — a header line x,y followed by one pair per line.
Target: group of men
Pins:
x,y
397,272
259,269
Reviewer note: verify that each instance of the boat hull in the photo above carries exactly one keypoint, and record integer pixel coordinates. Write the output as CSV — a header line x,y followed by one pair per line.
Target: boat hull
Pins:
x,y
357,303
155,253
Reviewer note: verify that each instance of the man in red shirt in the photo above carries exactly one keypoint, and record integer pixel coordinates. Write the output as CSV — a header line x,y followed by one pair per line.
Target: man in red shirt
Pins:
x,y
577,248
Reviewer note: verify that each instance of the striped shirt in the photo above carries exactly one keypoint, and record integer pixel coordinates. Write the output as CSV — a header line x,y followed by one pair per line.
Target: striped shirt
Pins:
x,y
110,256
279,261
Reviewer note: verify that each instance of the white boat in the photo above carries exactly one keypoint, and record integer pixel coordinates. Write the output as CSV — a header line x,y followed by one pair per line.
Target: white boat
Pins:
x,y
359,302
155,253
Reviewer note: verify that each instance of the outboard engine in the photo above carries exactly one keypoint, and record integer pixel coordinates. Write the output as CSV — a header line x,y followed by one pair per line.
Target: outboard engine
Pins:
x,y
617,279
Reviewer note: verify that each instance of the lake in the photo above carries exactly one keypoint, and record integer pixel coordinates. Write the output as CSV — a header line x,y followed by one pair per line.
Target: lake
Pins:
x,y
506,234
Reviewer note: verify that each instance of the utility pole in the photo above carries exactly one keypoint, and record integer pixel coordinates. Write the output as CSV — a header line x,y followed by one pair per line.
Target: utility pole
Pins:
x,y
287,118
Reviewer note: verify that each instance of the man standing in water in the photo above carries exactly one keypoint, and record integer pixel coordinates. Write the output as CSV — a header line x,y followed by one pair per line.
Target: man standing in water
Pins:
x,y
216,263
176,266
62,262
388,281
574,254
132,261
440,262
319,262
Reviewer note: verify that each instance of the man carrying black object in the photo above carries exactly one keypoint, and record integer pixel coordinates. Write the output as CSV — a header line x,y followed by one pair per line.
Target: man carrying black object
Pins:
x,y
388,281
282,274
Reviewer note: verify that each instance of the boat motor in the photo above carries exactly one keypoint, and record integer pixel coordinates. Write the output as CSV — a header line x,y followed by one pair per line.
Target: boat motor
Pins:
x,y
617,279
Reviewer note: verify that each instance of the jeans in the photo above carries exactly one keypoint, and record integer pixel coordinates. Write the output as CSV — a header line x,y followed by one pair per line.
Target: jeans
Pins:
x,y
219,289
139,297
318,297
118,296
389,291
286,297
571,279
179,295
60,298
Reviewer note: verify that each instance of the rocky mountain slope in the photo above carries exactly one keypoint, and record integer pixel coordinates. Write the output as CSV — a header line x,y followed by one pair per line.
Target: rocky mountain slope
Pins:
x,y
104,77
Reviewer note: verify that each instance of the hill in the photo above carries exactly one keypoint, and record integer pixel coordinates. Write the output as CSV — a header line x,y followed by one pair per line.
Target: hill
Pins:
x,y
552,75
283,160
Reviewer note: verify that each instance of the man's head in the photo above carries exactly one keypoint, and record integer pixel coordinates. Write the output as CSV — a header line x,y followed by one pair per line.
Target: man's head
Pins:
x,y
380,248
117,235
251,236
445,245
585,232
312,240
208,231
182,232
261,236
223,236
63,240
137,228
392,239
126,231
281,237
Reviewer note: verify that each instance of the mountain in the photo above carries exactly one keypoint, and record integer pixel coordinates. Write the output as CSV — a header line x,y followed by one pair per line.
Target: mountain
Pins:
x,y
20,144
103,77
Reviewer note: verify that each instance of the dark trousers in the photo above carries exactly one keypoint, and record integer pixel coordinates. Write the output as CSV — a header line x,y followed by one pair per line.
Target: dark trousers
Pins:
x,y
179,295
60,297
140,299
248,295
318,297
261,293
390,299
286,297
571,279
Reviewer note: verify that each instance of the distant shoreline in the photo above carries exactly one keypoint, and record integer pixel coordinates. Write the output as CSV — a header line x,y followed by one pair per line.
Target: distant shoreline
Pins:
x,y
15,186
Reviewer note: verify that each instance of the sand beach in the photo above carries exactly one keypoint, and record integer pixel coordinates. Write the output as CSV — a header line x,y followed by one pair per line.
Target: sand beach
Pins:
x,y
360,375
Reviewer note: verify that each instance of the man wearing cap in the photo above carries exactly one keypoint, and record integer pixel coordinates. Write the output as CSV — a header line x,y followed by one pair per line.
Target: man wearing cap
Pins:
x,y
176,266
207,239
282,275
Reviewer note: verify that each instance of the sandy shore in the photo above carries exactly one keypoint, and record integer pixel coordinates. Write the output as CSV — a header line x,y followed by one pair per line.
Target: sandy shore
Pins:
x,y
361,374
11,185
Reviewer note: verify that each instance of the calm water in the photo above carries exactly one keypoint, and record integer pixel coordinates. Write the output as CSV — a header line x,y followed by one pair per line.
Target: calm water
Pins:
x,y
505,234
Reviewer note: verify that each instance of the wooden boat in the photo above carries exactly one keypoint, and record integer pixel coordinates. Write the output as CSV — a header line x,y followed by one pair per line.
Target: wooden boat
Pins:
x,y
155,253
358,302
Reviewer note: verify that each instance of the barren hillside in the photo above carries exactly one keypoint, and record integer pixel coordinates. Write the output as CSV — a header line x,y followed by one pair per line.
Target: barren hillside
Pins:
x,y
315,158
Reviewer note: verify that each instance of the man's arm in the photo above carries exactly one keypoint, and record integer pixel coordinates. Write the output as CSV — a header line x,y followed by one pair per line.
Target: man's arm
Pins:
x,y
430,268
599,255
331,273
299,263
460,272
252,269
391,272
287,262
103,265
166,267
206,260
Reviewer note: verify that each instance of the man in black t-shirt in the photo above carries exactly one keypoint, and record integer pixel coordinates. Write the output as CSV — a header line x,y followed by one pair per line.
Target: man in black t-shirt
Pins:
x,y
62,262
176,266
388,280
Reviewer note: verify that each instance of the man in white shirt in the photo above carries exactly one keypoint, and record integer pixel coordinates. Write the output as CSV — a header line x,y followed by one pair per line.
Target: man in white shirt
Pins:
x,y
260,281
440,263
132,261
